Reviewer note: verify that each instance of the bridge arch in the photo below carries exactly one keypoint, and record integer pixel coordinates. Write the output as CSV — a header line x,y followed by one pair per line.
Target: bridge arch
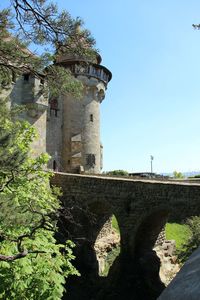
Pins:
x,y
141,208
146,260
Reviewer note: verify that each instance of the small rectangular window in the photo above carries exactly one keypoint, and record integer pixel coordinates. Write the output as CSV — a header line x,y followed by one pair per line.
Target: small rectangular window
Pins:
x,y
91,118
26,77
90,160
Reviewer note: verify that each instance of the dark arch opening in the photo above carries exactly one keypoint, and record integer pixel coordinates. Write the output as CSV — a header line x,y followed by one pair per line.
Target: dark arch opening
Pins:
x,y
107,245
147,262
106,236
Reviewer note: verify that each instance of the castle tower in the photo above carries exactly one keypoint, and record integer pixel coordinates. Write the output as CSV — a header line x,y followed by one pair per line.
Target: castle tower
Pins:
x,y
81,148
28,90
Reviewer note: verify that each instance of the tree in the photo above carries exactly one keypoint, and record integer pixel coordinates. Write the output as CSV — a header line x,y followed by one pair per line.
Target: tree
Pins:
x,y
32,264
40,23
178,175
117,173
193,242
196,26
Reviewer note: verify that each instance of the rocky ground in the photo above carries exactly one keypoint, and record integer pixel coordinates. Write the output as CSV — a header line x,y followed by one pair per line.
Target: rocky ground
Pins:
x,y
169,265
104,246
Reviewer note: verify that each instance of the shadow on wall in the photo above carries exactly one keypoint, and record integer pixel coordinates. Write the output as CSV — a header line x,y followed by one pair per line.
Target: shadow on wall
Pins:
x,y
147,261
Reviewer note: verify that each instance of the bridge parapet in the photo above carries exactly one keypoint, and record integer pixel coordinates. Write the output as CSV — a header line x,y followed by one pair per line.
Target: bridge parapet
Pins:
x,y
141,207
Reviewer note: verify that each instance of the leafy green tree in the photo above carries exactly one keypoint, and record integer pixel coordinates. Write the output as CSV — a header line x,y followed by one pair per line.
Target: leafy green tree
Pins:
x,y
32,264
117,173
196,176
40,23
178,175
194,241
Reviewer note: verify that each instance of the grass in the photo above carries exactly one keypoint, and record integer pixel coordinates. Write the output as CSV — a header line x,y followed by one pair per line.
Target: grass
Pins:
x,y
115,224
178,232
112,255
174,231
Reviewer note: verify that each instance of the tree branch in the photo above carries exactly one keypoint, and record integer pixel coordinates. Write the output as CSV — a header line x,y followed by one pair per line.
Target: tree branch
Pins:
x,y
6,184
18,255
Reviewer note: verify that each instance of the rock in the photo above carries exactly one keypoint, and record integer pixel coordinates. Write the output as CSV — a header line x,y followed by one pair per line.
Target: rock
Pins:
x,y
169,266
105,244
186,285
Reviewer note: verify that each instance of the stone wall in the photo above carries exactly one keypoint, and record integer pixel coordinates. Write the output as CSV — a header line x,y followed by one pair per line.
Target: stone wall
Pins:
x,y
81,145
28,91
54,129
142,209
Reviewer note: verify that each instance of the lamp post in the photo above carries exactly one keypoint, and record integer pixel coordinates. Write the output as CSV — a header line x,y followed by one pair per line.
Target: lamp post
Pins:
x,y
151,157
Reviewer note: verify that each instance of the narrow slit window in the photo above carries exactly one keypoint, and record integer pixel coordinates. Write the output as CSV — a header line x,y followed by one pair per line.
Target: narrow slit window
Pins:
x,y
54,165
54,107
91,118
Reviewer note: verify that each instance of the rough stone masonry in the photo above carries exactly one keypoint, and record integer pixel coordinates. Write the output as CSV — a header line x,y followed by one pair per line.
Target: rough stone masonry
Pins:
x,y
141,209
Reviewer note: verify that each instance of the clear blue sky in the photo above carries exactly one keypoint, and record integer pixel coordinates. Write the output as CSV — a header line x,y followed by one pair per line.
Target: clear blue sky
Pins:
x,y
152,105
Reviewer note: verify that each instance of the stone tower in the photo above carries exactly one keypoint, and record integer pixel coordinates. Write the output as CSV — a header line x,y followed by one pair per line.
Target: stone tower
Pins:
x,y
28,90
74,129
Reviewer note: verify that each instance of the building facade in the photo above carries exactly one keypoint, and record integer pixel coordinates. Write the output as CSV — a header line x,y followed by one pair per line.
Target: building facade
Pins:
x,y
68,128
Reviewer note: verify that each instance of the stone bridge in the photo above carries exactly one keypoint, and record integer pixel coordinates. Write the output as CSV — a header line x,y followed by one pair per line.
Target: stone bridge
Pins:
x,y
141,207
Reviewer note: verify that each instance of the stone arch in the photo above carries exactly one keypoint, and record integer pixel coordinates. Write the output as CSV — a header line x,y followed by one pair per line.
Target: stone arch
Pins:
x,y
92,217
108,245
103,237
149,229
147,262
141,209
101,211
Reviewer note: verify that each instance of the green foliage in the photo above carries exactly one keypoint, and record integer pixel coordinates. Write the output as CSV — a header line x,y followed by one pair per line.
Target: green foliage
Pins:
x,y
14,57
43,23
178,232
37,276
60,81
40,23
117,173
112,255
178,175
32,264
193,242
115,225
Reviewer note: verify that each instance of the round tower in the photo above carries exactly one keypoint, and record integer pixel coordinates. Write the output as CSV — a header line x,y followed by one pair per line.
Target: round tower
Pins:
x,y
81,146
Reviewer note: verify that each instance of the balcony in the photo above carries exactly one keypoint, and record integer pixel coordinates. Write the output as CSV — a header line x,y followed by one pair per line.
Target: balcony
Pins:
x,y
97,71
